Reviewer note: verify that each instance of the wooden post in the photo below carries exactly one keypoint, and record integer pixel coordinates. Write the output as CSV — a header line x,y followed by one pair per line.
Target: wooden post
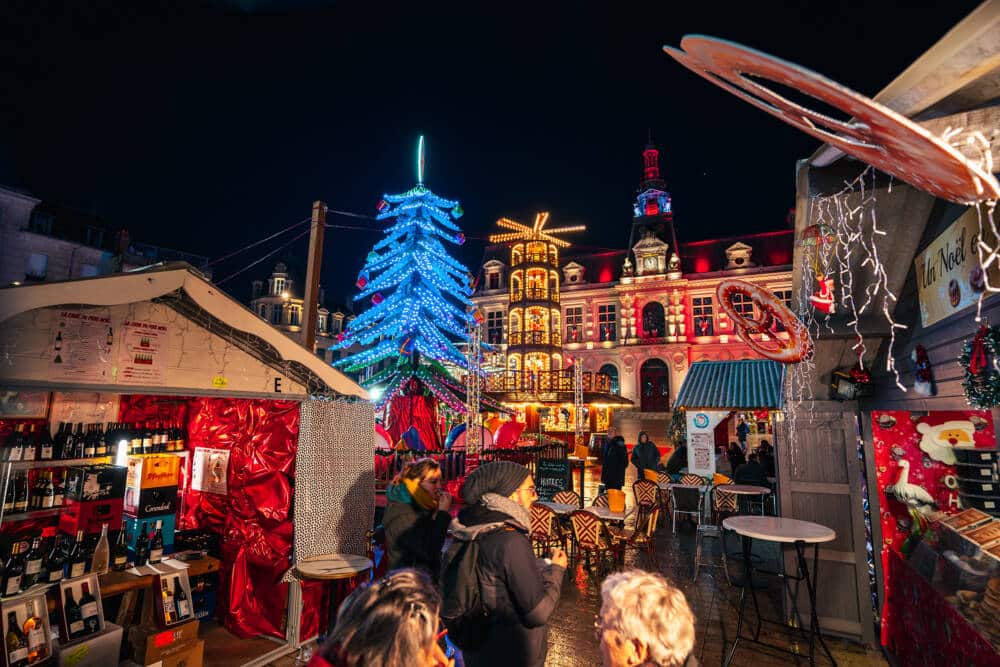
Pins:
x,y
311,304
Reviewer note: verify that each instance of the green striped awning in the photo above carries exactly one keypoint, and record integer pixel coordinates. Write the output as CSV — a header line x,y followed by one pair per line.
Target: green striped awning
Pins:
x,y
733,385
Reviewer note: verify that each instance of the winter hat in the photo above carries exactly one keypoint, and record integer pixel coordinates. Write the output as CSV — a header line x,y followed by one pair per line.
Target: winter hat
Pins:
x,y
500,477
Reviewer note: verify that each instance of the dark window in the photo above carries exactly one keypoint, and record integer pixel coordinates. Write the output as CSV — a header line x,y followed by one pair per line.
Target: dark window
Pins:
x,y
606,322
574,324
493,281
494,327
275,314
702,310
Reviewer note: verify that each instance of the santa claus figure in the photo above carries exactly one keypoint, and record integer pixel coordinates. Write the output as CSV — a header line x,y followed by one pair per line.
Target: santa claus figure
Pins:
x,y
822,300
939,442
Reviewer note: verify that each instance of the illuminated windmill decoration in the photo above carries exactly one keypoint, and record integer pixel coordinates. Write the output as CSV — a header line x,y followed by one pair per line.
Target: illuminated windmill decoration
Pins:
x,y
534,331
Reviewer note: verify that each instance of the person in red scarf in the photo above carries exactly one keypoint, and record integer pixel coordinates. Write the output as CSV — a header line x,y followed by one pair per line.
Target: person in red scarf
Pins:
x,y
387,623
416,518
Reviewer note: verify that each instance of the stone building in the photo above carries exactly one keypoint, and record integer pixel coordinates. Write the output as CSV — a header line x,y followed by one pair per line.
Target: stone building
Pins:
x,y
643,314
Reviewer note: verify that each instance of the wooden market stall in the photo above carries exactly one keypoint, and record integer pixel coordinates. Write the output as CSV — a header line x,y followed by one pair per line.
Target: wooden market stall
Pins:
x,y
234,412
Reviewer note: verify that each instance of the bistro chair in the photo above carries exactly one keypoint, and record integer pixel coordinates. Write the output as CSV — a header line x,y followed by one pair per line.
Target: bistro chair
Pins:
x,y
640,539
591,537
713,532
545,529
601,501
689,478
724,504
646,500
567,498
686,501
663,495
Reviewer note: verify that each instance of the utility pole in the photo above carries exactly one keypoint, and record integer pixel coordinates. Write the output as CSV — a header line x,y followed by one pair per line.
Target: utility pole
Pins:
x,y
311,305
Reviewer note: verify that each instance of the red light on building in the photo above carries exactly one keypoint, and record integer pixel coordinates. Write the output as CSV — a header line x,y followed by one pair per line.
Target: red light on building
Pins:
x,y
702,265
651,207
605,276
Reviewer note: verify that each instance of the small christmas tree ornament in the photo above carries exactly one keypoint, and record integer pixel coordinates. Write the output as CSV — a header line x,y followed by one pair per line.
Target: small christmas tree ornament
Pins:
x,y
362,280
978,360
923,382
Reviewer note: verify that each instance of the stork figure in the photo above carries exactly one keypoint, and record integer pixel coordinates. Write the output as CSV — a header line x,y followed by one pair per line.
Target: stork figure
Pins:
x,y
912,495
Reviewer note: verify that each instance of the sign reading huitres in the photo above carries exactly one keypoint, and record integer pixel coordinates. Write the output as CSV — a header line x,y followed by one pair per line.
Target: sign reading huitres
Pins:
x,y
948,274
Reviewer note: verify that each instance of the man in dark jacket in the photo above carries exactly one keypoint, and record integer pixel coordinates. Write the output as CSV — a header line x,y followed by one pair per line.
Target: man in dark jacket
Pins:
x,y
678,460
615,461
518,590
645,455
751,472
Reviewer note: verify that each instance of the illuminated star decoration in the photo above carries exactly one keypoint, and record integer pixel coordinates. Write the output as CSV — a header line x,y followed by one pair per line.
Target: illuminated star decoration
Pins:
x,y
538,232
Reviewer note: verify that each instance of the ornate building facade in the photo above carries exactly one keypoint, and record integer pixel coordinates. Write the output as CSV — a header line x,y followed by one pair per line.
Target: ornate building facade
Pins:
x,y
641,315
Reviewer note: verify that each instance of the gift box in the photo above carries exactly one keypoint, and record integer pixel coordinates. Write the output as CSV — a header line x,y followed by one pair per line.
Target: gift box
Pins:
x,y
150,502
173,603
37,639
98,651
97,482
133,526
89,515
90,621
149,472
151,645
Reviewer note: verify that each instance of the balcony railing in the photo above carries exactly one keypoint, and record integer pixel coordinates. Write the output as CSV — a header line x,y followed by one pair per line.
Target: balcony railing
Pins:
x,y
534,258
533,338
534,294
543,381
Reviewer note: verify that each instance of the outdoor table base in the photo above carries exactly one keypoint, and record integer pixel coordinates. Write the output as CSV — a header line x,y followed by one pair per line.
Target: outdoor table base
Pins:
x,y
801,575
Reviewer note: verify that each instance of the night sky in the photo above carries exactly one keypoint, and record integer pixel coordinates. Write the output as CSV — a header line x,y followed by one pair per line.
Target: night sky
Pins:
x,y
207,128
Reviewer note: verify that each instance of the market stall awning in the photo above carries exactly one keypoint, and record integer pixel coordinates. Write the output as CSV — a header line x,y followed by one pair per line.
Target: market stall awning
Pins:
x,y
734,385
183,289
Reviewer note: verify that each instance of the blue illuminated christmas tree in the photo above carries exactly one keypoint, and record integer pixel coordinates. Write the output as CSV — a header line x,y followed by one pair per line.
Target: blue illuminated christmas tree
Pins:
x,y
419,295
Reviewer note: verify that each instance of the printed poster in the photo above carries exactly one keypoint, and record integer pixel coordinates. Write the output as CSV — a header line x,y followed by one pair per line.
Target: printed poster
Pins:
x,y
701,440
143,358
948,275
81,347
209,470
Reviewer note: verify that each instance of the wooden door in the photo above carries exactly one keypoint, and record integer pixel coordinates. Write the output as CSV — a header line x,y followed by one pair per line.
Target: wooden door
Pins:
x,y
819,480
654,382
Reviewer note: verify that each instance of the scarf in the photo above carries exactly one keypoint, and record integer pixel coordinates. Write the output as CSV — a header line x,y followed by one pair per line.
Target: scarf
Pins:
x,y
420,494
503,504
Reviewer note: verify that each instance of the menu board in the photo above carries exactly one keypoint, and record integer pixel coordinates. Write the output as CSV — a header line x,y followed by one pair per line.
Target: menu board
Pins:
x,y
551,477
80,348
143,353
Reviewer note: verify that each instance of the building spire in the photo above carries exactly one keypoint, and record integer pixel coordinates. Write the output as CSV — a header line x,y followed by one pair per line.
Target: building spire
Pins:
x,y
651,161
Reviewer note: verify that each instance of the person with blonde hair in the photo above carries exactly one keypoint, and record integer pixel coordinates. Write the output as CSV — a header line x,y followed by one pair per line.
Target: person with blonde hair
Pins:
x,y
416,517
644,621
387,623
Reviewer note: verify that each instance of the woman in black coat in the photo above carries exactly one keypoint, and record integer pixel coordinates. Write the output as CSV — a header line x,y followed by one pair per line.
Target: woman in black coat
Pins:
x,y
416,518
615,461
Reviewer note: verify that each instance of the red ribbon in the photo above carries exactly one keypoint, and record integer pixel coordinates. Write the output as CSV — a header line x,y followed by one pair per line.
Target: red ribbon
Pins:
x,y
978,361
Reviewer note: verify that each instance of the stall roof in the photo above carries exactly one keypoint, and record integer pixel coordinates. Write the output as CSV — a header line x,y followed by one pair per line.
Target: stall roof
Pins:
x,y
733,385
180,287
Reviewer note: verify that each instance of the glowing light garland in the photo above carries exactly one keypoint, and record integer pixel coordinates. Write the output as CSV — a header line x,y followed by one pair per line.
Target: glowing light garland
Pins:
x,y
420,296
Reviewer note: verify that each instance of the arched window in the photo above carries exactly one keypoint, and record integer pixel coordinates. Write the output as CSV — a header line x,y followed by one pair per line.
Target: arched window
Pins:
x,y
612,372
653,322
654,384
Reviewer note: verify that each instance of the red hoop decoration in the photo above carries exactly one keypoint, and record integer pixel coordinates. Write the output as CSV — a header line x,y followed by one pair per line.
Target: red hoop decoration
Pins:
x,y
877,135
798,345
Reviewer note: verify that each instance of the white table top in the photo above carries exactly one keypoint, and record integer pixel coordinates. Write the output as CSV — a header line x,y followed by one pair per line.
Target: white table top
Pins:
x,y
607,515
333,566
677,485
745,489
576,459
779,529
558,508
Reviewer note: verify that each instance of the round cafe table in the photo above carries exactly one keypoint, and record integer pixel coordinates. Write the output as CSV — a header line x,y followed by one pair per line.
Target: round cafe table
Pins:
x,y
339,568
786,531
581,464
746,491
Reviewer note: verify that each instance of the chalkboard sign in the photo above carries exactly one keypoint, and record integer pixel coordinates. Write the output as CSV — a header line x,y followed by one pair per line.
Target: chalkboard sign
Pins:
x,y
551,477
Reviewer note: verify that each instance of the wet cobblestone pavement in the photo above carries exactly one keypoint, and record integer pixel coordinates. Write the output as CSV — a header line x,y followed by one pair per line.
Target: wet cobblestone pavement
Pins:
x,y
713,601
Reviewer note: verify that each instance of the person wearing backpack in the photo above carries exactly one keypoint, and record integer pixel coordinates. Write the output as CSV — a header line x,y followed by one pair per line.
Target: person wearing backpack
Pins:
x,y
497,596
416,518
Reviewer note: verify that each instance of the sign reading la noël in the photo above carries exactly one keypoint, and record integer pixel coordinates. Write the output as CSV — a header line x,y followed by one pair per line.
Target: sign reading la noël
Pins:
x,y
948,274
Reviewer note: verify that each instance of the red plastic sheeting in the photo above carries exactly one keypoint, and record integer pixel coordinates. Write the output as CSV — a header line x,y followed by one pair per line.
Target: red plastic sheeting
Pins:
x,y
410,407
254,519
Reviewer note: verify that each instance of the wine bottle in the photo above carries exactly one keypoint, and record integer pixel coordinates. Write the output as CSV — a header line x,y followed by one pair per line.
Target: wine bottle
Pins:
x,y
156,545
46,445
58,489
34,493
20,492
135,441
80,441
169,608
141,546
101,445
48,492
90,442
147,440
15,444
102,553
32,565
65,441
12,572
74,616
28,444
88,609
119,556
8,499
183,604
34,630
76,562
17,645
55,560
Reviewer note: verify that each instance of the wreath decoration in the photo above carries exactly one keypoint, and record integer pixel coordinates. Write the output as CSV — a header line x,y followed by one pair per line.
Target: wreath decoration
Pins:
x,y
981,379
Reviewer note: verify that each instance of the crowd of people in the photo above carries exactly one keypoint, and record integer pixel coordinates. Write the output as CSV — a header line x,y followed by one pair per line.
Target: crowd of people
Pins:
x,y
488,594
